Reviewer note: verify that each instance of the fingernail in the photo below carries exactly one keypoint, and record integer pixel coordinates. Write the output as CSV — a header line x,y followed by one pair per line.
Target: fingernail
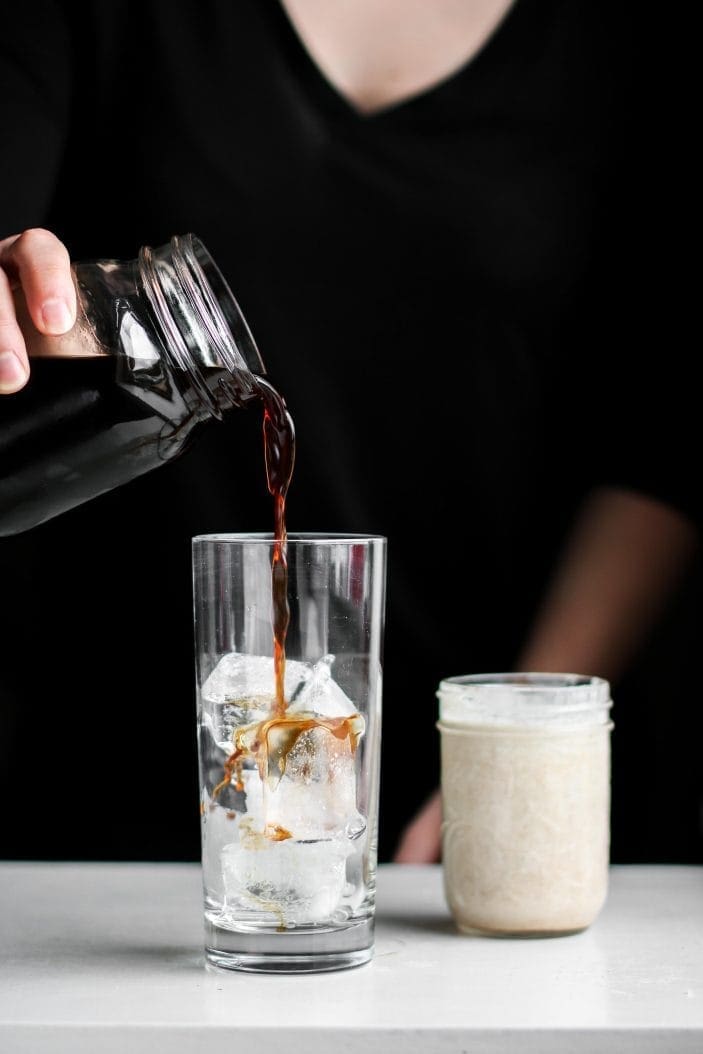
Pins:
x,y
56,316
12,372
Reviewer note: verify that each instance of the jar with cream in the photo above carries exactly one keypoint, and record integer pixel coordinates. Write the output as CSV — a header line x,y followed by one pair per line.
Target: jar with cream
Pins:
x,y
526,801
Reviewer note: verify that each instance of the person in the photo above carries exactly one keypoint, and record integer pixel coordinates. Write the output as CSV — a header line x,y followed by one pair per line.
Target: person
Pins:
x,y
427,214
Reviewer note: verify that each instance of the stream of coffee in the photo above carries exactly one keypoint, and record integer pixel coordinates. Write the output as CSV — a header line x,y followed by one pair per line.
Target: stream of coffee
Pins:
x,y
281,728
279,455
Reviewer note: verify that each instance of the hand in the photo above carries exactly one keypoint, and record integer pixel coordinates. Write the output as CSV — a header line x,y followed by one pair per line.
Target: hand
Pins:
x,y
38,262
421,841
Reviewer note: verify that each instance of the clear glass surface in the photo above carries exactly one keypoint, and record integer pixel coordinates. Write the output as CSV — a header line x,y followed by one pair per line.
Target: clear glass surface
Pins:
x,y
289,797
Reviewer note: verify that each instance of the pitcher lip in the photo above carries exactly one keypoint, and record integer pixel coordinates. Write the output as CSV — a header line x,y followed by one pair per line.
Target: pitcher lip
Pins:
x,y
200,322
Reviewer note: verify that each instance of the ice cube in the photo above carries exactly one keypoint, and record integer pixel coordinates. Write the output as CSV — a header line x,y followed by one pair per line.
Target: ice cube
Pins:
x,y
315,797
318,693
299,883
287,853
219,827
240,691
238,676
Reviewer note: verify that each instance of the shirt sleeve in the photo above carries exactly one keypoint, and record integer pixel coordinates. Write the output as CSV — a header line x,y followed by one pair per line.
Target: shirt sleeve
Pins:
x,y
35,94
643,412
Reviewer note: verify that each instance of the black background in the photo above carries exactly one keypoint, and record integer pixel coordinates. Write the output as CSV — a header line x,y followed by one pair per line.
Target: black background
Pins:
x,y
476,308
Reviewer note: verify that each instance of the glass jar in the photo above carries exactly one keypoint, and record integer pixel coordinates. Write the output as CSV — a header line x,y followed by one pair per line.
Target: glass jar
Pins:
x,y
526,801
159,348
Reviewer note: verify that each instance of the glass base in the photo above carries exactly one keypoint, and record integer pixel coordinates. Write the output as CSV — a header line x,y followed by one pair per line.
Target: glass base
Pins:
x,y
290,951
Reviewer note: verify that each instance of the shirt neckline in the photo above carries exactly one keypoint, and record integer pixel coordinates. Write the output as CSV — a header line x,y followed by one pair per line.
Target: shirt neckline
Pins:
x,y
319,84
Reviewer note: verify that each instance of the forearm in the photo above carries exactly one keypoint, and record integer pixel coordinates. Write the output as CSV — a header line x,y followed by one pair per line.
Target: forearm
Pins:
x,y
622,562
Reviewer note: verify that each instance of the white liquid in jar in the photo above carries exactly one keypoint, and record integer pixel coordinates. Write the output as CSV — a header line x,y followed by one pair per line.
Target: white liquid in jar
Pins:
x,y
526,824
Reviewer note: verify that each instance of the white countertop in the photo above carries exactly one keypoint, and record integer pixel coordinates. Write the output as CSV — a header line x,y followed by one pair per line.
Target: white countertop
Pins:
x,y
105,958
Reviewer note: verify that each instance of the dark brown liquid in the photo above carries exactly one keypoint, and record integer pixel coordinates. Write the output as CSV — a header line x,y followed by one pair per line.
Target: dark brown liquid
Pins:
x,y
279,454
76,431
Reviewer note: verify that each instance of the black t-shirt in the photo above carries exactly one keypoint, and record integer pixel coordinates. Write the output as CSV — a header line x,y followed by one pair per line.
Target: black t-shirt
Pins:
x,y
447,295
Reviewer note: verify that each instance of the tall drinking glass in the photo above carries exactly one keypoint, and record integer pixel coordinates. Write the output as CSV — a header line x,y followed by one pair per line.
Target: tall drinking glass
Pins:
x,y
289,780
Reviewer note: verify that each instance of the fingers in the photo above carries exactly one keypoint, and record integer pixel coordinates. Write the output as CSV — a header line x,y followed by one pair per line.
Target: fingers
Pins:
x,y
40,263
421,841
43,267
14,369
